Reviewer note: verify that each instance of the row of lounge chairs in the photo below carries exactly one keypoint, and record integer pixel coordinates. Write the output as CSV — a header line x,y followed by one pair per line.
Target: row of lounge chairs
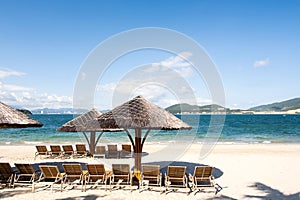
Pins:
x,y
67,151
96,175
112,151
56,151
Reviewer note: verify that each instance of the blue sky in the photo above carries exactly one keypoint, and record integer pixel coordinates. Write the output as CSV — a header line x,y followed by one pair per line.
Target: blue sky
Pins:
x,y
254,44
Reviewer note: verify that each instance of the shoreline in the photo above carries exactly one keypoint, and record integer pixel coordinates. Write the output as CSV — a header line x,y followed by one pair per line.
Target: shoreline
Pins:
x,y
267,142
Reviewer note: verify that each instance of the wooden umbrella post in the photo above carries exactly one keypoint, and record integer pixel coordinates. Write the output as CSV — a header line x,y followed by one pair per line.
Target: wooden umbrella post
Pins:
x,y
92,142
138,153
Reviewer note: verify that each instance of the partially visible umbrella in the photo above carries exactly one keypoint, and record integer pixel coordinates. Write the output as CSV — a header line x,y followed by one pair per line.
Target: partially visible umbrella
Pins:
x,y
12,118
138,114
79,124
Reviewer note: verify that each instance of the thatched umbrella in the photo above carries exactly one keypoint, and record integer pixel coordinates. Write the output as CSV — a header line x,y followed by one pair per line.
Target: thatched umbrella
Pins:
x,y
79,124
138,114
12,118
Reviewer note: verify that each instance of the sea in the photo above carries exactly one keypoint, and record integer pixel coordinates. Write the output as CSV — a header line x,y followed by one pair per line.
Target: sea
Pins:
x,y
224,129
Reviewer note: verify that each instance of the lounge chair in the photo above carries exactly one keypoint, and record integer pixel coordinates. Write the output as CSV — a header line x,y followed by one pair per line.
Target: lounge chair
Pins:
x,y
176,177
121,174
202,178
150,176
96,175
50,175
26,175
56,151
100,152
126,151
68,151
81,150
74,174
6,174
112,151
42,151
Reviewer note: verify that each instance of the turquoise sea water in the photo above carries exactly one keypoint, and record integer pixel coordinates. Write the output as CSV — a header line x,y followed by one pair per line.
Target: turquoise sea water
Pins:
x,y
236,129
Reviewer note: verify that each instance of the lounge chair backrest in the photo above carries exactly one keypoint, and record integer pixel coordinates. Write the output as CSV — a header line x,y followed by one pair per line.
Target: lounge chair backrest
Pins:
x,y
203,171
67,148
55,148
120,169
41,149
5,171
100,150
80,147
126,147
49,171
150,170
112,147
25,168
176,171
96,169
72,169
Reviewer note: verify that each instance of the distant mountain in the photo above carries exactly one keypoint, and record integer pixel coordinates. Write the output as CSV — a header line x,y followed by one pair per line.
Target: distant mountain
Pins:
x,y
187,108
61,111
58,111
184,107
291,104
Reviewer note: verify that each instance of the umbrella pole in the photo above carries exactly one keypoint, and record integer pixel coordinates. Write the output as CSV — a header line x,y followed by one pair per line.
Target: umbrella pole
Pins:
x,y
138,153
92,142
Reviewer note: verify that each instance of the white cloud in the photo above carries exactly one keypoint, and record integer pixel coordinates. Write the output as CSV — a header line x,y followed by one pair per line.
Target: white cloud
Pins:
x,y
34,100
262,63
28,98
7,72
179,63
8,87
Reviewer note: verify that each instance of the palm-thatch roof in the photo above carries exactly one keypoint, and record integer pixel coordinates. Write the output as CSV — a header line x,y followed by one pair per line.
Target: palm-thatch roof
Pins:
x,y
79,123
138,113
12,118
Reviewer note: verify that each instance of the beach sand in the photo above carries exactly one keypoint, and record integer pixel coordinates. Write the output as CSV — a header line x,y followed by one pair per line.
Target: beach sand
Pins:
x,y
244,171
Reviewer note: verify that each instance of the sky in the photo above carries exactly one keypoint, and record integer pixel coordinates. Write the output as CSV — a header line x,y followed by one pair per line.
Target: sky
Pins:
x,y
254,45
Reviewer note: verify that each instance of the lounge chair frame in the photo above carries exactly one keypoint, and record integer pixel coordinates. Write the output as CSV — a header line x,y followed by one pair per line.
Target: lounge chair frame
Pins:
x,y
121,172
74,175
112,151
56,151
175,175
6,174
126,151
50,172
96,175
202,178
26,175
151,174
68,151
81,150
100,152
42,152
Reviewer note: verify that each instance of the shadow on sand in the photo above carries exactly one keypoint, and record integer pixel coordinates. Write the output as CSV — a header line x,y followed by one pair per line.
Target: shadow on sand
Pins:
x,y
217,173
87,197
271,193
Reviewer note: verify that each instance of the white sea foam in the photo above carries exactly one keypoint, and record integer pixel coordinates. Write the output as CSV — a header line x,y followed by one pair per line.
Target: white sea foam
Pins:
x,y
32,142
266,142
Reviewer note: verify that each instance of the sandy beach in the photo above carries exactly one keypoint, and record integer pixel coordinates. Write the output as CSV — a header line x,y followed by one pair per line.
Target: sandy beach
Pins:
x,y
244,171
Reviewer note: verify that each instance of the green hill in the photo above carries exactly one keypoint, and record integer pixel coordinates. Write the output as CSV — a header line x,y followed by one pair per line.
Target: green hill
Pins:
x,y
187,108
291,104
